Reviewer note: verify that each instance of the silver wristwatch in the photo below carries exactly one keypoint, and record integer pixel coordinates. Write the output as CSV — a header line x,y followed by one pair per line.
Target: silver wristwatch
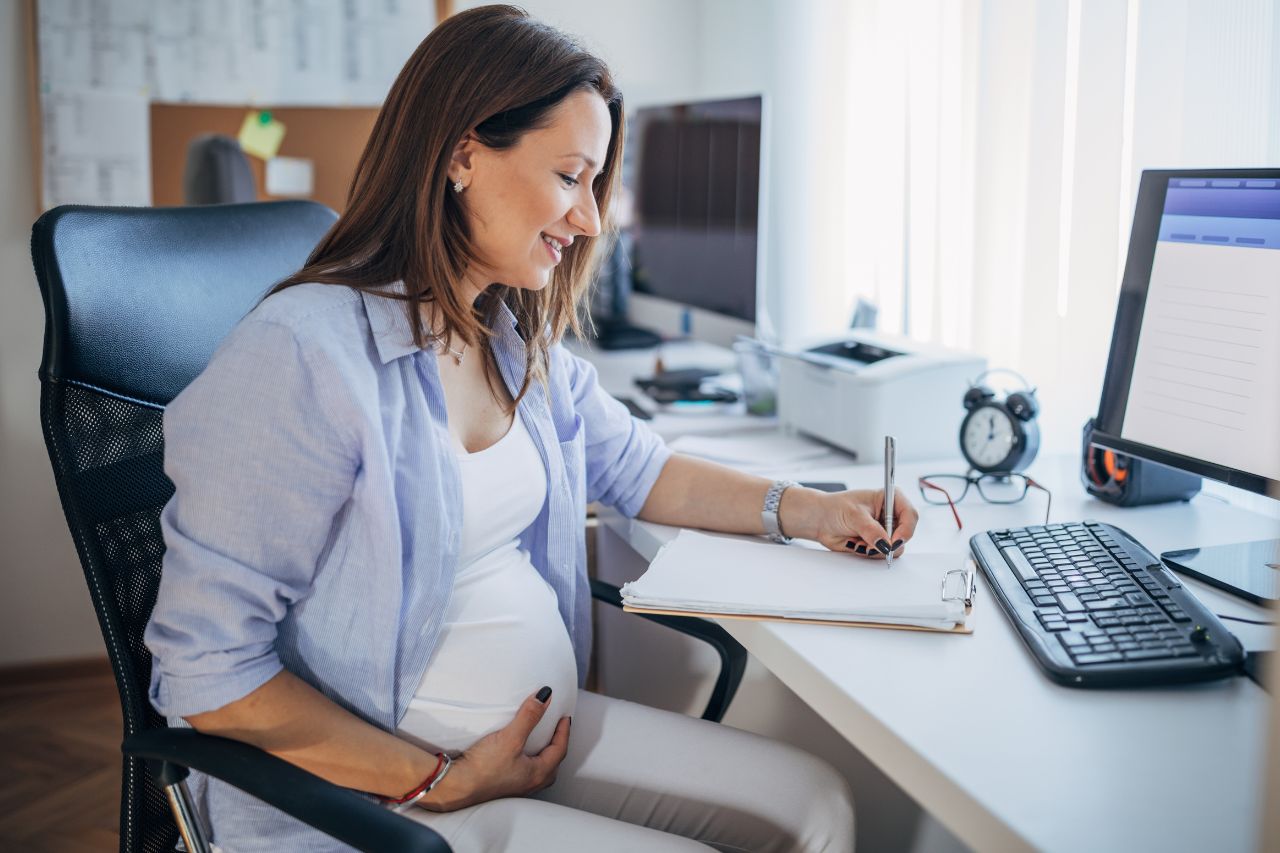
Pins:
x,y
769,515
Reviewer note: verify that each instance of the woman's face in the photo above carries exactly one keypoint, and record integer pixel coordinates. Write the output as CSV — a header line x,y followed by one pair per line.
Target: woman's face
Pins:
x,y
527,203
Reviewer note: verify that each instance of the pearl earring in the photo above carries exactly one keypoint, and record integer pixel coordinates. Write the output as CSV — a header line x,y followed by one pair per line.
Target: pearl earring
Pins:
x,y
457,185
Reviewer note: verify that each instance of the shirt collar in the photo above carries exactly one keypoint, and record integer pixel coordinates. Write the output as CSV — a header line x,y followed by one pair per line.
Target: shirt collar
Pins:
x,y
389,322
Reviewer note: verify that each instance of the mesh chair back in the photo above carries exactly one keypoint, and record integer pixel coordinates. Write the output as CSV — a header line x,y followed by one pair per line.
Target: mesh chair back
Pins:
x,y
136,300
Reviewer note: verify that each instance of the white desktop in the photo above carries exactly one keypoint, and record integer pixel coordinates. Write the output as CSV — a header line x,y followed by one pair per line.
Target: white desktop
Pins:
x,y
970,727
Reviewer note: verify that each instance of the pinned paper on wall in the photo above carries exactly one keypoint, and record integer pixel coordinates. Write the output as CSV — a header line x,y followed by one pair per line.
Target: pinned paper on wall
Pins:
x,y
290,176
96,149
261,134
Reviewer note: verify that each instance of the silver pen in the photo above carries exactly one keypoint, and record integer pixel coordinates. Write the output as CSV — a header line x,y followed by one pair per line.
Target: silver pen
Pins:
x,y
890,450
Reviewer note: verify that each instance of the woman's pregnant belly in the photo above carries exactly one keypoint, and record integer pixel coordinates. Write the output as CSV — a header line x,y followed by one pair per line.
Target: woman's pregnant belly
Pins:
x,y
503,639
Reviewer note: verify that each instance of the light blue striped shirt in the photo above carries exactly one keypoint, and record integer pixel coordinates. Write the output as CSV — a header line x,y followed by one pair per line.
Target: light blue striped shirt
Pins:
x,y
318,509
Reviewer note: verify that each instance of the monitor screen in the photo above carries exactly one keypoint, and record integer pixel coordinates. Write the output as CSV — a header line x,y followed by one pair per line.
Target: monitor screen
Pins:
x,y
694,172
1194,374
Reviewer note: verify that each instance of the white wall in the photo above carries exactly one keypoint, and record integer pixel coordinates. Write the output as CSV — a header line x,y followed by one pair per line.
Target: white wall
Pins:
x,y
650,46
45,612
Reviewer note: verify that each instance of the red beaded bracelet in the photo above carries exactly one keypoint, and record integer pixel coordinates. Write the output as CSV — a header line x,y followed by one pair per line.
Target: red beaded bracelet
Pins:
x,y
443,763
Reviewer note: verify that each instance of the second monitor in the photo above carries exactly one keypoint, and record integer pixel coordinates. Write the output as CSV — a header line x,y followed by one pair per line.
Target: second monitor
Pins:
x,y
692,239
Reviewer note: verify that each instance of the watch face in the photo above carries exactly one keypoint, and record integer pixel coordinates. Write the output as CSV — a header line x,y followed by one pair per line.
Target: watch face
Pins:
x,y
988,438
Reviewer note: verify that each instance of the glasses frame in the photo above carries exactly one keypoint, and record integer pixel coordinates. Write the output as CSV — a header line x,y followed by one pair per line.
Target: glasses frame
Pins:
x,y
975,478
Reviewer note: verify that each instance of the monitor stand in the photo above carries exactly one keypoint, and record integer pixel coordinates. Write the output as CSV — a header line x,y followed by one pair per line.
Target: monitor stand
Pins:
x,y
1250,570
619,335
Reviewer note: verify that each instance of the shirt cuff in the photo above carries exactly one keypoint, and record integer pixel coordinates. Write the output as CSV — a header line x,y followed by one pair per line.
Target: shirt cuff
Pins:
x,y
632,502
185,695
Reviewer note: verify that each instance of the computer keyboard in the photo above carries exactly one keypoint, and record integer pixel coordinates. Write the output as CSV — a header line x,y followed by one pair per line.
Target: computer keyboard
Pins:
x,y
1097,609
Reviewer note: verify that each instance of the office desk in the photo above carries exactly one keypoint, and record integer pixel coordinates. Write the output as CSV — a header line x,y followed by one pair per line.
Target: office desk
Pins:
x,y
973,730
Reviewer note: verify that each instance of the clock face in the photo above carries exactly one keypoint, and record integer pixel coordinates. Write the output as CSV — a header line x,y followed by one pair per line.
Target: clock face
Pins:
x,y
988,438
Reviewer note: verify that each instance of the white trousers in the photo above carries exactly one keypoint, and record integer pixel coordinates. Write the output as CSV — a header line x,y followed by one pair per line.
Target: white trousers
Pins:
x,y
640,779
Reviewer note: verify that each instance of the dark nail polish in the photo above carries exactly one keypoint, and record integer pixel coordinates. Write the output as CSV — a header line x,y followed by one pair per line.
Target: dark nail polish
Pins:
x,y
897,544
851,544
883,547
543,695
860,549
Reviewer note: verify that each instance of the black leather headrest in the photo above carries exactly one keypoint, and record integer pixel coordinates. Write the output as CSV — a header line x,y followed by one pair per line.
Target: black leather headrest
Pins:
x,y
137,299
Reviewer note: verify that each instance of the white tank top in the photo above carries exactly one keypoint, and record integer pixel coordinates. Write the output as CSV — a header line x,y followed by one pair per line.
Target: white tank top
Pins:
x,y
503,637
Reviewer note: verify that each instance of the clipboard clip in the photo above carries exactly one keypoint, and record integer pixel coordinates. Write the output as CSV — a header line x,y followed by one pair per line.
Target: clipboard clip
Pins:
x,y
963,587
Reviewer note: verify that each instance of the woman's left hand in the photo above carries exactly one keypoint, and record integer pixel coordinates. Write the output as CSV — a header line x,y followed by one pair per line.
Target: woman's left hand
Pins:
x,y
849,521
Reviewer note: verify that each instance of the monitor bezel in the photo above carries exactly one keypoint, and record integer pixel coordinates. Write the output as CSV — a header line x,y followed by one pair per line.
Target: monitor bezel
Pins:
x,y
1124,336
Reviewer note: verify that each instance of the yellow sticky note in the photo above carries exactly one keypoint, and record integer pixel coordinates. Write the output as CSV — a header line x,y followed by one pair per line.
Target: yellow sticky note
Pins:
x,y
261,135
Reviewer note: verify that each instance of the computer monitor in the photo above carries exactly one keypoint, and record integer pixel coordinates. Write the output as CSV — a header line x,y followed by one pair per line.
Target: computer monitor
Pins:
x,y
693,171
1193,378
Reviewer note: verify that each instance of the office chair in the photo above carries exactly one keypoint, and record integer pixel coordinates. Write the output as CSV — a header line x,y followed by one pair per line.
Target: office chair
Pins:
x,y
136,300
217,172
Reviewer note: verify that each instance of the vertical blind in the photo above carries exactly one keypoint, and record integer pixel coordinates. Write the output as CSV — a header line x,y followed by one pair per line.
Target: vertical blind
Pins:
x,y
994,150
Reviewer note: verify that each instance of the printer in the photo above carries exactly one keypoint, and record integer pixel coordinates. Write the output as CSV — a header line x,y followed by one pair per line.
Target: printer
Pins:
x,y
854,391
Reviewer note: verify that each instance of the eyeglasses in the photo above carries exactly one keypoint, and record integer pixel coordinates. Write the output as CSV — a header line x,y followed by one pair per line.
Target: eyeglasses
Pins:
x,y
938,489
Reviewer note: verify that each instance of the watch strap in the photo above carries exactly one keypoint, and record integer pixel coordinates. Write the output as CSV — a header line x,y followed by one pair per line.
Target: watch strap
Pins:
x,y
769,515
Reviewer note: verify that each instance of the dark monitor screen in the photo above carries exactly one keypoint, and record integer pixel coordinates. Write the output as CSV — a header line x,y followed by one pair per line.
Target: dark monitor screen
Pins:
x,y
694,172
1193,378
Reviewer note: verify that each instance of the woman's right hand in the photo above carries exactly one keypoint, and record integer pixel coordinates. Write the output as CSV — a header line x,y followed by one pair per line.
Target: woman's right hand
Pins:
x,y
496,766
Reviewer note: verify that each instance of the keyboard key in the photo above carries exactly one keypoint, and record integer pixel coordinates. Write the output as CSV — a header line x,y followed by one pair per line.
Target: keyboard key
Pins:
x,y
1043,600
1071,639
1107,657
1068,602
1019,563
1147,654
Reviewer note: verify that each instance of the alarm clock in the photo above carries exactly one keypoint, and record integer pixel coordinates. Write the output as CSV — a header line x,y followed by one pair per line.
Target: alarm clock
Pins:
x,y
999,434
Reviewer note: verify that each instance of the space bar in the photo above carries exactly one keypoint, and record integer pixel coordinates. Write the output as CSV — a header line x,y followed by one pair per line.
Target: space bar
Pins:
x,y
1020,565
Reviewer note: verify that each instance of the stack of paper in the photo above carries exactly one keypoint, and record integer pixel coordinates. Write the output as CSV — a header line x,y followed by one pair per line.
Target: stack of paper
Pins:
x,y
758,450
697,573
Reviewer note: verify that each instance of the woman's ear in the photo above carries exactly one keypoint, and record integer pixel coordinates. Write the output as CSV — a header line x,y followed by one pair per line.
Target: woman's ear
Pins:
x,y
462,162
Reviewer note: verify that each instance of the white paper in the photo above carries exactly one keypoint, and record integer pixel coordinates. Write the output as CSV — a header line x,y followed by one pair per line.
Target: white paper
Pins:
x,y
94,44
290,176
283,52
97,149
707,574
200,53
755,450
378,38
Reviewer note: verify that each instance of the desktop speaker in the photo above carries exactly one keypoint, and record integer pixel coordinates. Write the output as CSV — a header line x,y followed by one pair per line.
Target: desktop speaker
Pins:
x,y
1130,481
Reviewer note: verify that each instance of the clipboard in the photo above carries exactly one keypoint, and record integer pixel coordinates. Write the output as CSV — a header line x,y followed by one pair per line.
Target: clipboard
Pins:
x,y
956,585
749,617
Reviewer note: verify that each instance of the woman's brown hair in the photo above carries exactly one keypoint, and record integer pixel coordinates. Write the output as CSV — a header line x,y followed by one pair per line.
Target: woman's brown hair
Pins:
x,y
499,73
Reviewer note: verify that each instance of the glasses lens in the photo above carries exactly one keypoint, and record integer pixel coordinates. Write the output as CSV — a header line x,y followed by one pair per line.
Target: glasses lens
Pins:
x,y
936,489
1002,488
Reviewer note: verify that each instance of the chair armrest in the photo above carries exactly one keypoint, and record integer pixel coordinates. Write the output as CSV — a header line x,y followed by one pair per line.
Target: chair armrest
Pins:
x,y
733,657
335,811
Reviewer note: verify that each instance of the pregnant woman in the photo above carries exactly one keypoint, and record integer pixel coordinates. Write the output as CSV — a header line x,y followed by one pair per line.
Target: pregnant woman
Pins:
x,y
376,564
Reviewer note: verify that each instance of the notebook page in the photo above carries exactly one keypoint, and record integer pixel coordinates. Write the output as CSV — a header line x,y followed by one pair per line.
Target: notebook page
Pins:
x,y
709,574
